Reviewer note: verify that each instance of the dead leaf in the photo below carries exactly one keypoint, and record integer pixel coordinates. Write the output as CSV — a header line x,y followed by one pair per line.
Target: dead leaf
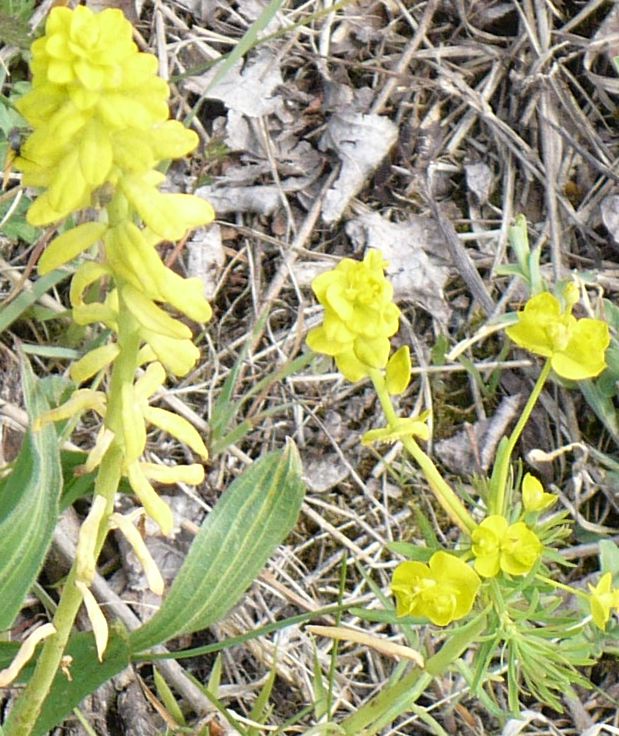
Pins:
x,y
361,142
249,89
610,215
415,275
206,257
479,180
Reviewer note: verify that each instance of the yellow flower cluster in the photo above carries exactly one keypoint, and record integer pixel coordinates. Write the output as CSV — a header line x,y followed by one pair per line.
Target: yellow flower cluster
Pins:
x,y
499,545
99,116
442,591
575,347
360,316
100,124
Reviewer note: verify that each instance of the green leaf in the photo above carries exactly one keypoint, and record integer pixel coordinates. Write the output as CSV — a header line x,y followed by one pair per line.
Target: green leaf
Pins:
x,y
252,517
87,674
602,405
29,507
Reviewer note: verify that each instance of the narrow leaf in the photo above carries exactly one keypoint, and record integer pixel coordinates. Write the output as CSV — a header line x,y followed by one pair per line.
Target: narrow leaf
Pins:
x,y
29,506
239,535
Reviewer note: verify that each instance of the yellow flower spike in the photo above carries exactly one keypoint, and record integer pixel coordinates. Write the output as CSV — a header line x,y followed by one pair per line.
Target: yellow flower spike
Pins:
x,y
192,474
534,498
155,507
69,245
497,545
132,535
84,399
178,427
575,347
442,591
150,316
25,652
398,373
93,362
407,427
97,619
133,425
87,540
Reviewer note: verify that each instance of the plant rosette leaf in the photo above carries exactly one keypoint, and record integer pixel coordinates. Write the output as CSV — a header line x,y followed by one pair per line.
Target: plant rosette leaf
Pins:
x,y
29,506
252,517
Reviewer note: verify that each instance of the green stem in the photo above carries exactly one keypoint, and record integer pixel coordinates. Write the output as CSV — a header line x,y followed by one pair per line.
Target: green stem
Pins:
x,y
440,488
25,712
499,483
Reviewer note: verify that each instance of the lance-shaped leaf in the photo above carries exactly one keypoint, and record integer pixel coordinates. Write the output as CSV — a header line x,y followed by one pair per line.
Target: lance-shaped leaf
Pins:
x,y
29,506
248,522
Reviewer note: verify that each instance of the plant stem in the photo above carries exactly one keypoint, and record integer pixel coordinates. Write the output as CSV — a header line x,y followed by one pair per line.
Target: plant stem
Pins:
x,y
439,486
499,486
25,712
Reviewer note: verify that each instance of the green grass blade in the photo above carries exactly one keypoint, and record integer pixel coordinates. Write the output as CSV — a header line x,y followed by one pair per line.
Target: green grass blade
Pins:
x,y
14,310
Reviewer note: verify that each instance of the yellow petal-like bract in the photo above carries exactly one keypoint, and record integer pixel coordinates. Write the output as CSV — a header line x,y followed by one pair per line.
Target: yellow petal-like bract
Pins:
x,y
575,347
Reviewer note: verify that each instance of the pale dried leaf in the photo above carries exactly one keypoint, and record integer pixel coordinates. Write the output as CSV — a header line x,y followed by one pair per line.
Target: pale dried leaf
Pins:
x,y
479,180
361,142
206,257
324,473
260,200
610,215
415,275
249,89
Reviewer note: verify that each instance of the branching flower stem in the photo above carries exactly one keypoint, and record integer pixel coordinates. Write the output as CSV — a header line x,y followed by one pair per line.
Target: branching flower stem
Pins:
x,y
440,488
499,481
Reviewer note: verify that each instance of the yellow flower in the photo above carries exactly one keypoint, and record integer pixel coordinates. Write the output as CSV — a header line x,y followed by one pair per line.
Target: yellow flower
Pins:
x,y
360,315
603,599
534,497
575,347
497,545
443,590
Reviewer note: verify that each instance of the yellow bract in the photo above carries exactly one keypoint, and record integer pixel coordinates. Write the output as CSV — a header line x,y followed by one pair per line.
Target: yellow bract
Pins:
x,y
575,347
534,498
498,545
360,316
603,599
443,590
406,427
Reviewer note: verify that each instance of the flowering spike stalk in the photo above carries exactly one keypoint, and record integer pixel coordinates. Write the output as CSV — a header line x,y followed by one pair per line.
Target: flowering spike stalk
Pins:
x,y
92,85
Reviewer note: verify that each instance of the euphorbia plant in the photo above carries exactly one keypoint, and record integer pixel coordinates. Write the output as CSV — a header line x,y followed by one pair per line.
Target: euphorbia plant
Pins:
x,y
100,128
498,580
